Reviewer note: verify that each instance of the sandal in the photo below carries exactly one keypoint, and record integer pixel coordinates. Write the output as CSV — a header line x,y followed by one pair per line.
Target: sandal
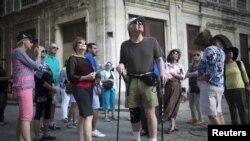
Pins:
x,y
169,131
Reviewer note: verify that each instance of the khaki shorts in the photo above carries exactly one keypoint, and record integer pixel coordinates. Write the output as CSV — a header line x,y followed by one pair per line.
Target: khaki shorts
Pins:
x,y
141,94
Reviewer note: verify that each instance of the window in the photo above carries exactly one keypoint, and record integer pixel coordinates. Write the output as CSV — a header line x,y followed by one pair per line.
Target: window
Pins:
x,y
156,0
241,4
225,2
70,31
28,2
192,32
9,6
17,5
2,7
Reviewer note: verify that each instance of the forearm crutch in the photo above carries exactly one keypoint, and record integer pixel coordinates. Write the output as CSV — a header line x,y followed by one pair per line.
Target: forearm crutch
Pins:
x,y
162,108
118,118
247,96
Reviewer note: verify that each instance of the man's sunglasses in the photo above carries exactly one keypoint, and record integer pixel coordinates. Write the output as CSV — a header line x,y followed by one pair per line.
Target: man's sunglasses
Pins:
x,y
82,43
137,22
54,47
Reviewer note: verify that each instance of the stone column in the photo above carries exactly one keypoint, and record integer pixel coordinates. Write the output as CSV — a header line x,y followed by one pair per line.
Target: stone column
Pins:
x,y
59,41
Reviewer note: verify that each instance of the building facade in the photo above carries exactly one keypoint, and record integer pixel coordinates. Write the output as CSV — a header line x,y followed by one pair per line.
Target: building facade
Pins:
x,y
174,23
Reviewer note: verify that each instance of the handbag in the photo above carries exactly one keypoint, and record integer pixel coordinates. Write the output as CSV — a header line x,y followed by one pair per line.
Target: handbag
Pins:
x,y
107,85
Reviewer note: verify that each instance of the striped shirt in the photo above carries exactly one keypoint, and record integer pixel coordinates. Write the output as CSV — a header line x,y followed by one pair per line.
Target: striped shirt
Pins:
x,y
23,69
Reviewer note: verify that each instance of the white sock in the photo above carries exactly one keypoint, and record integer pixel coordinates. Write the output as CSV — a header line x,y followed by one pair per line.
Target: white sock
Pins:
x,y
152,139
137,136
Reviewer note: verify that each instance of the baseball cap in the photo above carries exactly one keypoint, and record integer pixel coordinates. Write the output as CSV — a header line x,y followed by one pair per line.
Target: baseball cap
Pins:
x,y
135,19
24,35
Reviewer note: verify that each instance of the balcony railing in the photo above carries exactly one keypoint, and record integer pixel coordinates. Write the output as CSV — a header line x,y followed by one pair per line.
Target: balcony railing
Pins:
x,y
241,4
9,6
234,5
28,2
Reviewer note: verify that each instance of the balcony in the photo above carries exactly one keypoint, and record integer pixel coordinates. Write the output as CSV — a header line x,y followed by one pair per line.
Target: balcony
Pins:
x,y
10,6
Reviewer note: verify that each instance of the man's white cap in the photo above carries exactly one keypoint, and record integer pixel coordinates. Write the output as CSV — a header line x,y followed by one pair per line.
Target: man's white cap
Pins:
x,y
130,21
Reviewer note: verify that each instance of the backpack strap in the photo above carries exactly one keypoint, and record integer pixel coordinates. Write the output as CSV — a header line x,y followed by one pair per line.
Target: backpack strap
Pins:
x,y
239,66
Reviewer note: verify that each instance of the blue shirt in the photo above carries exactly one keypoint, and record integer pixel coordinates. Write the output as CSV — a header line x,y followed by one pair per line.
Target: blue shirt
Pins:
x,y
212,65
92,60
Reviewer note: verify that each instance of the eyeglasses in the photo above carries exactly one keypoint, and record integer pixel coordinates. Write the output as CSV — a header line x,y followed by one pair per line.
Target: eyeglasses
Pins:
x,y
139,22
82,43
174,53
196,55
44,51
54,47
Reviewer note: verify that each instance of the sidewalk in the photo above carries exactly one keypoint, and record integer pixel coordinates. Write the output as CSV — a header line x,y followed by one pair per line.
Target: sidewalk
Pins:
x,y
186,131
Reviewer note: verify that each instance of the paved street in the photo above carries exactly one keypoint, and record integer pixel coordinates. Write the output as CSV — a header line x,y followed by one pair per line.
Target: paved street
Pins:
x,y
186,131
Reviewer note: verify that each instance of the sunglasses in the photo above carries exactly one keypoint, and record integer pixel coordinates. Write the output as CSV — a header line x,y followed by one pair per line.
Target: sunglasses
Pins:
x,y
174,53
56,48
44,51
140,22
82,43
196,55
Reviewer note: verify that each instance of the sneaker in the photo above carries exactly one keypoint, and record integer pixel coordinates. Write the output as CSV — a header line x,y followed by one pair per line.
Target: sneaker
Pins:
x,y
3,123
43,138
71,126
65,120
98,134
107,119
54,127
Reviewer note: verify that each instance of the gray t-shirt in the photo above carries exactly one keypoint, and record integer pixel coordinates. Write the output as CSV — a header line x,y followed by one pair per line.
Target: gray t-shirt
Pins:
x,y
138,57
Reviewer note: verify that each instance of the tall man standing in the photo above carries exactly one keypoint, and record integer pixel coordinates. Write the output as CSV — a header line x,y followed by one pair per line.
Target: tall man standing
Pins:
x,y
137,56
90,55
54,65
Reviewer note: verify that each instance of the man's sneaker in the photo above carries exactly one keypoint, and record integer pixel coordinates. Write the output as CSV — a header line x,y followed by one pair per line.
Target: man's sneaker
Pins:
x,y
54,127
45,138
98,134
65,120
3,123
71,126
